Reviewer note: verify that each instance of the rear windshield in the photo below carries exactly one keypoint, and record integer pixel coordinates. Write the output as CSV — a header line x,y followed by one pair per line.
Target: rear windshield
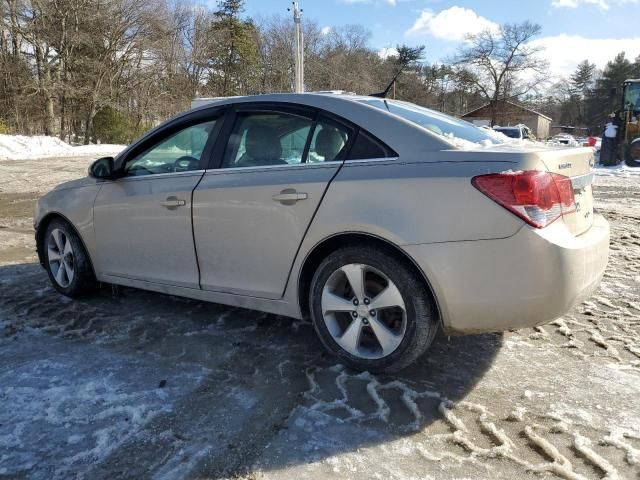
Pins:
x,y
436,122
509,132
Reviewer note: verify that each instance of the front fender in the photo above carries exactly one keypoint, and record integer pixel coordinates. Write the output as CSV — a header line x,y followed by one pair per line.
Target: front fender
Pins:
x,y
75,205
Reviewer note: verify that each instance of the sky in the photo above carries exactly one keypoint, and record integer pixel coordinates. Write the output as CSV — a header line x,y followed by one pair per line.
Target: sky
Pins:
x,y
572,30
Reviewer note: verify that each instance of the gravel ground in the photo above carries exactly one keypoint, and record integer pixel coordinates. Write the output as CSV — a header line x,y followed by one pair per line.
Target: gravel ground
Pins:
x,y
141,385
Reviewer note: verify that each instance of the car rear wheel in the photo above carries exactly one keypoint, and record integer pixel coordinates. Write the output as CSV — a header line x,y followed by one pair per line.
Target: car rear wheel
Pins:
x,y
66,260
371,310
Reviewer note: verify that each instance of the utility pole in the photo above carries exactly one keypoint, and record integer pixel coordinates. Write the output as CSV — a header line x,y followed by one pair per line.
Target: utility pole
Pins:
x,y
299,48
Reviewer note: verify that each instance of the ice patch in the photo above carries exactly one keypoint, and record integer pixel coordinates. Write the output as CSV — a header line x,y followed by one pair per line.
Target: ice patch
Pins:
x,y
62,416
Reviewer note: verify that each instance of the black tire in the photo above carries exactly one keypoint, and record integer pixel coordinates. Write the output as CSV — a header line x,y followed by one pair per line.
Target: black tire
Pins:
x,y
421,317
83,280
632,154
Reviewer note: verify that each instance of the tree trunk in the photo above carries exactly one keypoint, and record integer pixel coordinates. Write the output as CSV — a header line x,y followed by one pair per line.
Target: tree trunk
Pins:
x,y
63,114
49,127
493,108
88,127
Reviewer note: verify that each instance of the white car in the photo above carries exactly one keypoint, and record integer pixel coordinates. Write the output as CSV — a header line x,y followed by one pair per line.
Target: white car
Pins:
x,y
565,139
518,132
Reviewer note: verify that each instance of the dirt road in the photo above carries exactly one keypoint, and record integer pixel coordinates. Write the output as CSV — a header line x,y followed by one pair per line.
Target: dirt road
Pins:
x,y
147,386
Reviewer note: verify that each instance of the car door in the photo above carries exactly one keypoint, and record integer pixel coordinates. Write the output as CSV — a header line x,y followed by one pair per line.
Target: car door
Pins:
x,y
251,212
142,220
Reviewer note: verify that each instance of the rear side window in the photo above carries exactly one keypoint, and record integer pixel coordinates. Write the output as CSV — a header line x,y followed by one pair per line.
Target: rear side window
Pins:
x,y
267,138
436,122
329,141
366,147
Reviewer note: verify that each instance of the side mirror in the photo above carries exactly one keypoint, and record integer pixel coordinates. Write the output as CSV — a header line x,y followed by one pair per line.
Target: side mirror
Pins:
x,y
103,168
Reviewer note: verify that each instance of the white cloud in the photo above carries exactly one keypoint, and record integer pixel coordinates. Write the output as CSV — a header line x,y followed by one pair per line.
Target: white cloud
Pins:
x,y
564,52
387,52
325,30
392,3
453,24
603,4
576,3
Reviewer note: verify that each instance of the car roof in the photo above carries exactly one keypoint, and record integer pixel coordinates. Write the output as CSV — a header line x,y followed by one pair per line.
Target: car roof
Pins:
x,y
312,99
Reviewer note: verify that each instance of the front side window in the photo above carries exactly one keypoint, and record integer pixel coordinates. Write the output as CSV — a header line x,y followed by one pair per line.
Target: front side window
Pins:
x,y
632,97
436,122
266,139
180,152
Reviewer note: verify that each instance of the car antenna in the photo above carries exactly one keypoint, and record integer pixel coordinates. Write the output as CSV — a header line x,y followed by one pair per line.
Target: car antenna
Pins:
x,y
384,93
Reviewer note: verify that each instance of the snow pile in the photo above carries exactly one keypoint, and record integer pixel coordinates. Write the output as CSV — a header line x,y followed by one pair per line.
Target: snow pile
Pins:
x,y
499,136
621,170
464,144
497,144
17,147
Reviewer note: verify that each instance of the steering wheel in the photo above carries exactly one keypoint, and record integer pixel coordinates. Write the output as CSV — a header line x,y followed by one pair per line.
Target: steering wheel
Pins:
x,y
185,164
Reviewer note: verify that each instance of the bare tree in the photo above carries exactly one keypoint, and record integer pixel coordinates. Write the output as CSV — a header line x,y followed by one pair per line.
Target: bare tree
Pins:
x,y
132,63
503,64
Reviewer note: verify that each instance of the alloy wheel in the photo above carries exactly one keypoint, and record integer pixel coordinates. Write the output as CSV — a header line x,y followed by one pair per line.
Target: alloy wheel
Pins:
x,y
363,311
60,257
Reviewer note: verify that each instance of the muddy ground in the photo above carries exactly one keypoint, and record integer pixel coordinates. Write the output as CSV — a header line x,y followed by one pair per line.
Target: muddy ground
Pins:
x,y
142,385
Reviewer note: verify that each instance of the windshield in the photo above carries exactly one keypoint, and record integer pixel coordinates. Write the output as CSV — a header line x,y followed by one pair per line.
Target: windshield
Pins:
x,y
632,97
436,122
509,132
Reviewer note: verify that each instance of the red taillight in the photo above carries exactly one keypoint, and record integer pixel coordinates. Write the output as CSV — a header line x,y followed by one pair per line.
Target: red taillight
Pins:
x,y
539,198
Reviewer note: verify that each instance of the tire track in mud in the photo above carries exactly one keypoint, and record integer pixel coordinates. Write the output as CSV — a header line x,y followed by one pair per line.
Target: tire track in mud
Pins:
x,y
470,433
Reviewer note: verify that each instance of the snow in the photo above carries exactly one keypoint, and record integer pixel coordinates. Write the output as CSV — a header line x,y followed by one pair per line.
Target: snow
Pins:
x,y
73,409
18,147
621,170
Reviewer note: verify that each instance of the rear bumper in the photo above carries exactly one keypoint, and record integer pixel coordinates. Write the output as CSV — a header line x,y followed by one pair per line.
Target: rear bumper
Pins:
x,y
528,279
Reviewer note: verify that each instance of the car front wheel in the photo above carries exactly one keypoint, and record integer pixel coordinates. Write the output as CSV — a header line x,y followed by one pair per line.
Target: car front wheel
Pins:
x,y
66,260
371,309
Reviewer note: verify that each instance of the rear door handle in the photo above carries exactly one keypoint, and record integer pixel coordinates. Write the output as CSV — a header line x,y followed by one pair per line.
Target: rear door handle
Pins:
x,y
289,196
173,202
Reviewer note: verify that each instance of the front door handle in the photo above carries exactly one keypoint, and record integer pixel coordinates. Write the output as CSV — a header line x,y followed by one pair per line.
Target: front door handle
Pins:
x,y
289,196
173,202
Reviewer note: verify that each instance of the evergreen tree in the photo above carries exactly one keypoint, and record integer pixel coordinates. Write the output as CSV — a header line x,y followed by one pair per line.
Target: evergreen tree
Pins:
x,y
234,50
582,78
605,97
580,84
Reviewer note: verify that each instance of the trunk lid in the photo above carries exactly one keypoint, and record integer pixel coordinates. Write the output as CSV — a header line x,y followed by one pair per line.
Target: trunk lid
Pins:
x,y
576,163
